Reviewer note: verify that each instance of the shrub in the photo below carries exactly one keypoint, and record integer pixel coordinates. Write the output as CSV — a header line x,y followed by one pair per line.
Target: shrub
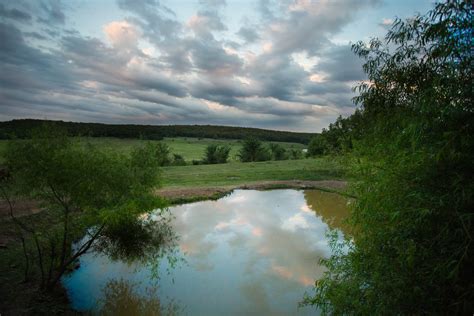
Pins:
x,y
317,146
253,150
178,160
216,154
278,152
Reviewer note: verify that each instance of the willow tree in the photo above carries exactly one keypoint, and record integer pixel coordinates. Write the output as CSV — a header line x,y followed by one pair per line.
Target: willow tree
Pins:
x,y
83,192
413,250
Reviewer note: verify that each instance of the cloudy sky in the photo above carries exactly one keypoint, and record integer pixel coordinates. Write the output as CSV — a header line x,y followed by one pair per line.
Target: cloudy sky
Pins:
x,y
283,65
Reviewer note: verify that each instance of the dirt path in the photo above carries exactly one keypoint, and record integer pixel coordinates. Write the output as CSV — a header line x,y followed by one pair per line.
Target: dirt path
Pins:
x,y
180,193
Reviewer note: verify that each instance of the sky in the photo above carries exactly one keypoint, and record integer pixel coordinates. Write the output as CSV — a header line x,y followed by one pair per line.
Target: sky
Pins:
x,y
282,65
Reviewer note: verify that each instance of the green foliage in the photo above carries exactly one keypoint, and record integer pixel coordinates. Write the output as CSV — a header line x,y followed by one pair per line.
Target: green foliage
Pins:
x,y
216,154
412,252
317,146
341,136
278,152
295,154
100,194
162,153
178,160
253,150
22,129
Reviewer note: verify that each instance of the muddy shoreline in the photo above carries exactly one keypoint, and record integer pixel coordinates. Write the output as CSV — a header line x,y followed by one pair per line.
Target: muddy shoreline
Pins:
x,y
179,195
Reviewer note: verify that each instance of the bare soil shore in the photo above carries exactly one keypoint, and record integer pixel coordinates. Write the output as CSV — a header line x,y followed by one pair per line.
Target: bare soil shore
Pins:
x,y
178,195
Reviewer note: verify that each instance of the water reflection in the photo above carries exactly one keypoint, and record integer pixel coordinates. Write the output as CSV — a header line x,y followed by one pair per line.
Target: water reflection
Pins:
x,y
121,298
332,208
250,253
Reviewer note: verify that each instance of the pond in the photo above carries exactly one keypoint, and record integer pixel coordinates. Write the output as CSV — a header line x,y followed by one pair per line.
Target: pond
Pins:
x,y
249,253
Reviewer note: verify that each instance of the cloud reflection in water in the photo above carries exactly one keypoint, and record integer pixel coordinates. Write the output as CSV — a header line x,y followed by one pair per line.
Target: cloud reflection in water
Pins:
x,y
251,252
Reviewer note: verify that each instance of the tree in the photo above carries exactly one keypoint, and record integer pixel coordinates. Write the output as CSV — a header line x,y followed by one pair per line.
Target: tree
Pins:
x,y
85,192
278,152
178,160
216,154
295,154
253,150
413,248
161,152
317,146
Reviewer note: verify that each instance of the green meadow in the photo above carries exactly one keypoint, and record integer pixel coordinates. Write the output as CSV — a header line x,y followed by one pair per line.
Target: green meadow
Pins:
x,y
232,173
190,148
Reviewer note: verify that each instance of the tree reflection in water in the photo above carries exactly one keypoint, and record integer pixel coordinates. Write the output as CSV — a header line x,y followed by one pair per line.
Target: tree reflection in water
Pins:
x,y
144,241
122,297
142,244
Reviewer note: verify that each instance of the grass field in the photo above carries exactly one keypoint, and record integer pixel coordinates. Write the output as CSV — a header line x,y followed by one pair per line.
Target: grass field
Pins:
x,y
190,148
231,173
240,173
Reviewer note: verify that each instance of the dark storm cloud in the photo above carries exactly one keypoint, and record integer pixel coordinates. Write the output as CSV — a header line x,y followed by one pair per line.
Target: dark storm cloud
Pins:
x,y
307,25
341,64
210,56
324,87
14,14
157,21
52,12
226,91
25,67
279,76
35,35
111,67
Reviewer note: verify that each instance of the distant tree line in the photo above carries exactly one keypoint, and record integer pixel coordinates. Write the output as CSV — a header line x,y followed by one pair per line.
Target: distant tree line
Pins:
x,y
22,129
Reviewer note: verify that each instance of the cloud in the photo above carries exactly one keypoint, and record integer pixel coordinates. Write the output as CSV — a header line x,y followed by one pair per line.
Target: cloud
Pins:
x,y
53,12
157,22
122,34
339,63
14,14
248,34
207,19
279,70
307,25
386,22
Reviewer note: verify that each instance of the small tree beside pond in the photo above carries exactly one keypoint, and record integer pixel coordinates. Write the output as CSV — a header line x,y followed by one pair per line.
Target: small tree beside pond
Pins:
x,y
83,192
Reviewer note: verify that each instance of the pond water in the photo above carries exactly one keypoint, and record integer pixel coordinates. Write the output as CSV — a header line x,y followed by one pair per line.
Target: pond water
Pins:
x,y
249,253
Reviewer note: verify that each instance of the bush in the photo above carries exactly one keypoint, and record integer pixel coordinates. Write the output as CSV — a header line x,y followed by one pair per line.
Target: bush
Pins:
x,y
278,152
253,150
162,153
317,146
295,154
178,160
216,154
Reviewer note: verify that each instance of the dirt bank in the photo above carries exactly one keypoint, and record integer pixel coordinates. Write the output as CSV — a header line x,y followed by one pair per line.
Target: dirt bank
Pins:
x,y
182,194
